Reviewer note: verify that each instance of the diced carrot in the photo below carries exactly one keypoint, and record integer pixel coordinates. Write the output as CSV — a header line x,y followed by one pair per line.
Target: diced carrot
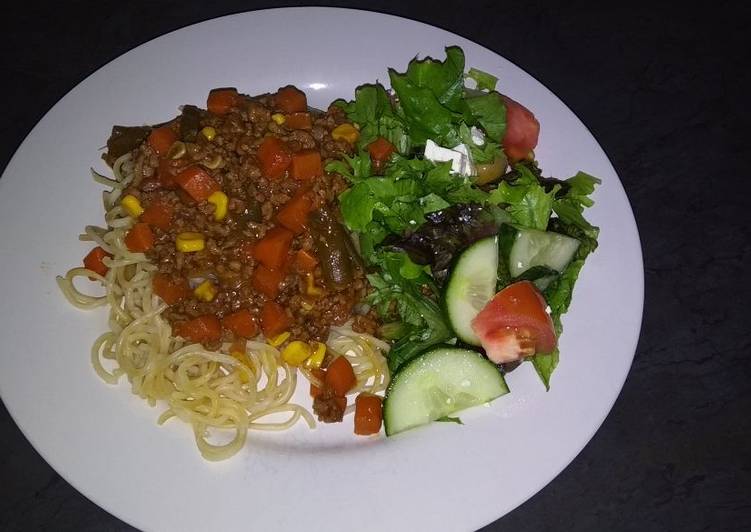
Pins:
x,y
140,238
306,164
291,100
202,329
170,290
305,262
220,101
294,214
161,139
158,214
380,149
267,281
274,319
272,249
274,156
368,414
185,198
197,182
241,323
167,171
340,376
298,121
93,261
320,374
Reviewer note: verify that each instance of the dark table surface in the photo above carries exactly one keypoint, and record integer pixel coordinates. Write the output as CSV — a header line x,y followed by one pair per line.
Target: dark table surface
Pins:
x,y
665,91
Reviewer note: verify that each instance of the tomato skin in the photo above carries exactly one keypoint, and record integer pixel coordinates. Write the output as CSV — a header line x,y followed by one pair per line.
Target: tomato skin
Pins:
x,y
522,130
514,324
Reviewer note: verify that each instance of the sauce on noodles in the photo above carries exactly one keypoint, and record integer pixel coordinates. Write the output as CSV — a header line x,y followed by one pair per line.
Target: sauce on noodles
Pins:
x,y
227,271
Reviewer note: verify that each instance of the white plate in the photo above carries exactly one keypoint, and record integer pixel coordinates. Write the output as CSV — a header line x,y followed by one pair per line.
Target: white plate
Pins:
x,y
105,441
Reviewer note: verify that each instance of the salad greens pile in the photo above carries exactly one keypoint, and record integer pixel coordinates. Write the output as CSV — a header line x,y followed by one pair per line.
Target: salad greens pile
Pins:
x,y
415,217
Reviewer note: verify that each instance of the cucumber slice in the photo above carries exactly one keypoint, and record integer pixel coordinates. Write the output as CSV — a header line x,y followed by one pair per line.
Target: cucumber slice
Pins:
x,y
524,249
438,383
471,284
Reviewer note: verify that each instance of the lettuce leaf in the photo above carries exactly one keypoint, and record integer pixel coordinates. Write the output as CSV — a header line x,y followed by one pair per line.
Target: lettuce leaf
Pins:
x,y
426,117
355,168
570,206
373,112
525,199
430,101
399,201
484,80
445,79
434,103
544,365
485,153
490,112
401,286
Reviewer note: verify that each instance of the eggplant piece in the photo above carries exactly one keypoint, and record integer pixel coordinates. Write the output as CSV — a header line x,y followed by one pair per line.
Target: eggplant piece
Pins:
x,y
334,248
190,123
124,139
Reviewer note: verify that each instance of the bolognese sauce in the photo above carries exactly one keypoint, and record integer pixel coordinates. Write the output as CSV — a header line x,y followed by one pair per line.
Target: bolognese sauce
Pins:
x,y
241,218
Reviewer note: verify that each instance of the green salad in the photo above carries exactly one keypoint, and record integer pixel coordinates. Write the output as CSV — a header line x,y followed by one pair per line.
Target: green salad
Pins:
x,y
470,250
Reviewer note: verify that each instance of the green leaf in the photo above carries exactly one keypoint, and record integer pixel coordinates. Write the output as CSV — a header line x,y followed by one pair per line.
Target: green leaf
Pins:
x,y
570,206
490,112
525,199
545,364
393,330
425,115
372,111
433,202
372,236
357,205
402,284
559,293
454,189
486,153
484,80
370,103
445,79
431,97
355,168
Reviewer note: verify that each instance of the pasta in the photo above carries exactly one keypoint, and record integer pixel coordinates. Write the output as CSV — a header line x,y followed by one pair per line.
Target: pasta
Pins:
x,y
213,391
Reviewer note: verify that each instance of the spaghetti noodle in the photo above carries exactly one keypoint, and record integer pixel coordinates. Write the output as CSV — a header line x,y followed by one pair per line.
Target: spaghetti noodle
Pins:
x,y
212,391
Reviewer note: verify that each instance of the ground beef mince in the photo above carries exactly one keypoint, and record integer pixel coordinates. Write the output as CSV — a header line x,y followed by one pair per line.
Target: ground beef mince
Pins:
x,y
328,406
246,180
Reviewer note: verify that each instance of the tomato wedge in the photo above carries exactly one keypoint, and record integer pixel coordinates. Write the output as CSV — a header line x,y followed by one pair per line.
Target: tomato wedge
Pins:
x,y
522,130
514,324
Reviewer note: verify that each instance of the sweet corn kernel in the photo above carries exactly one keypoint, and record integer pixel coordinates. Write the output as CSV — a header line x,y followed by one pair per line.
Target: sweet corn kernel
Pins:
x,y
278,118
296,353
132,206
190,242
312,289
219,200
278,340
316,359
206,291
345,132
209,132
